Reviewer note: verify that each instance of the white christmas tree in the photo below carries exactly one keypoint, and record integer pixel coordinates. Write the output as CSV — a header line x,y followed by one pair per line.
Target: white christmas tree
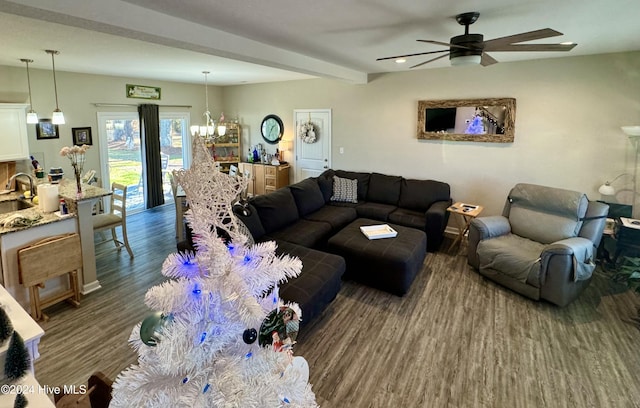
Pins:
x,y
199,348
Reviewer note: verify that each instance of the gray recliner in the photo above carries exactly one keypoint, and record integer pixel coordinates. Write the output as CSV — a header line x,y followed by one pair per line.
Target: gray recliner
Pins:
x,y
544,244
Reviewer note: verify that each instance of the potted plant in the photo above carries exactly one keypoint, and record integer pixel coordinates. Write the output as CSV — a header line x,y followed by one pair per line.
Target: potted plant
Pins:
x,y
629,273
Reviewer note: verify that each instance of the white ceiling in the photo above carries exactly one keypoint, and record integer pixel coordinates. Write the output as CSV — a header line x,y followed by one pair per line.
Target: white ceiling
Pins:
x,y
252,41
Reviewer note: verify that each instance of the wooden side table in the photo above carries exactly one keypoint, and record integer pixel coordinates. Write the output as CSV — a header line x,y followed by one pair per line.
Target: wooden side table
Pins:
x,y
464,214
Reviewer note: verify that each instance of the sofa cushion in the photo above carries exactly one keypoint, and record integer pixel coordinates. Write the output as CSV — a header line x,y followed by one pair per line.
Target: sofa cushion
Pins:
x,y
418,195
409,218
250,219
336,216
345,190
325,182
303,232
363,181
276,210
384,189
307,195
375,211
318,283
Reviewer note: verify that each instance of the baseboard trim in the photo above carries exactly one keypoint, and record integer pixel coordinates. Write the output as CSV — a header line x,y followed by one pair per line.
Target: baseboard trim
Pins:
x,y
90,287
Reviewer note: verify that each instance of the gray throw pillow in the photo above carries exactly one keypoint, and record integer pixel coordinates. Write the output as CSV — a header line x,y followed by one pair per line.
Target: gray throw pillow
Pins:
x,y
345,190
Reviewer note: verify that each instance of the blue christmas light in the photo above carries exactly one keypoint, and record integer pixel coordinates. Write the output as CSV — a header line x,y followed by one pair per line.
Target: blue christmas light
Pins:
x,y
247,259
286,400
248,355
185,380
197,290
206,388
203,337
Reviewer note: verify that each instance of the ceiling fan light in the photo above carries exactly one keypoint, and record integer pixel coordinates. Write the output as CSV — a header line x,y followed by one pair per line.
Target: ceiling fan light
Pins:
x,y
466,60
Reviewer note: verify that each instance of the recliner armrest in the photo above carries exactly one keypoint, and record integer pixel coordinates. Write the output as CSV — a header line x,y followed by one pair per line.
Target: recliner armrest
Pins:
x,y
570,246
484,228
491,226
581,252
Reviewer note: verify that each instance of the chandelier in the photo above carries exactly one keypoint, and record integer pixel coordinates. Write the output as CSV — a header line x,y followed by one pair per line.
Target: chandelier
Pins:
x,y
206,130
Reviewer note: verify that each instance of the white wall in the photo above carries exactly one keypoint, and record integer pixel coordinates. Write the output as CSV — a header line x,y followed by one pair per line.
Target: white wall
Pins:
x,y
76,95
568,117
567,131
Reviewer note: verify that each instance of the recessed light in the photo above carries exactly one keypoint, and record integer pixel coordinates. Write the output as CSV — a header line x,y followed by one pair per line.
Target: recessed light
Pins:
x,y
567,43
401,61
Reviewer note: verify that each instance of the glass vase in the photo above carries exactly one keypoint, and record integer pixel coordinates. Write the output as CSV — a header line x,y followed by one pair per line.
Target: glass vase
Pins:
x,y
78,182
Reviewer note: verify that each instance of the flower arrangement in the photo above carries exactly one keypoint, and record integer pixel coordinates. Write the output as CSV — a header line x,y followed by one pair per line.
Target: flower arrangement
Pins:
x,y
76,155
307,132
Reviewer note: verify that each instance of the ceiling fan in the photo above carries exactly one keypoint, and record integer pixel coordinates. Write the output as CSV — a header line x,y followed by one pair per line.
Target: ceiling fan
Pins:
x,y
471,49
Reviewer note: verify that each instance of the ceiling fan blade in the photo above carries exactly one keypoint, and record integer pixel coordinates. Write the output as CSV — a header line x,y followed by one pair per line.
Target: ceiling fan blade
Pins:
x,y
445,44
431,60
534,47
410,55
491,45
487,59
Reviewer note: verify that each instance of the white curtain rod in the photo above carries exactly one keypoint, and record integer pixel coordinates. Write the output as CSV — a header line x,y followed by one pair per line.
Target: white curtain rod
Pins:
x,y
98,105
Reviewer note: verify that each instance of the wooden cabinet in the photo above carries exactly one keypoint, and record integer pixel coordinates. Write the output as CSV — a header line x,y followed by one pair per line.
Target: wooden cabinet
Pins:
x,y
265,178
13,132
227,150
275,177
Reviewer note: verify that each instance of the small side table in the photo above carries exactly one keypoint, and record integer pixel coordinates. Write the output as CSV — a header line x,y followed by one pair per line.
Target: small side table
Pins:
x,y
465,213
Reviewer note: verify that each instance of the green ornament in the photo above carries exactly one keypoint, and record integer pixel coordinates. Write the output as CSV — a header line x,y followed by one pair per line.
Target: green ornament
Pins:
x,y
152,326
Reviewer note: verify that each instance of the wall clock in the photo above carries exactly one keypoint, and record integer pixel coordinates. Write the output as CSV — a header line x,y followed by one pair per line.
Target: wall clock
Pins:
x,y
272,129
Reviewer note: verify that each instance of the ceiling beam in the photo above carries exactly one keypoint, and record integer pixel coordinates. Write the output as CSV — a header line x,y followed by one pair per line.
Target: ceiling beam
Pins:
x,y
124,19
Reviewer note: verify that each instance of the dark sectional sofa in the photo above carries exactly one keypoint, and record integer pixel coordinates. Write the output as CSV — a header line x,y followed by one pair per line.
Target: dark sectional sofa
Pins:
x,y
302,217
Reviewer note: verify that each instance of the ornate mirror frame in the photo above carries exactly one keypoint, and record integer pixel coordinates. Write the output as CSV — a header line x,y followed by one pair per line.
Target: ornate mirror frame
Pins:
x,y
500,112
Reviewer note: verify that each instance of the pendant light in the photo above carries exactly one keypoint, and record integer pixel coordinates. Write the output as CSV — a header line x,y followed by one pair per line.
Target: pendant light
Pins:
x,y
32,116
207,129
58,116
222,129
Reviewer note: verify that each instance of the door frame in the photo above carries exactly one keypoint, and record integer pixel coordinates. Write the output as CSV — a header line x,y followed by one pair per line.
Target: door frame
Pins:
x,y
296,139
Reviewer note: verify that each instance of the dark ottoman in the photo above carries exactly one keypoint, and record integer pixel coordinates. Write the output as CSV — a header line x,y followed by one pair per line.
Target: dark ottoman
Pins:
x,y
390,264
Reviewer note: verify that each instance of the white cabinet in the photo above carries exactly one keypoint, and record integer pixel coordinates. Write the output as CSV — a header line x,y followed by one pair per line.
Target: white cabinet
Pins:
x,y
13,132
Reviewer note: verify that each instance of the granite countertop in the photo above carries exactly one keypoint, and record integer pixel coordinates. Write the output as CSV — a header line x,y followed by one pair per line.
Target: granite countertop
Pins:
x,y
67,190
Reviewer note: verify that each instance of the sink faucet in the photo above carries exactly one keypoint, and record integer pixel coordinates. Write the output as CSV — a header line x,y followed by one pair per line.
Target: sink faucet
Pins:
x,y
31,186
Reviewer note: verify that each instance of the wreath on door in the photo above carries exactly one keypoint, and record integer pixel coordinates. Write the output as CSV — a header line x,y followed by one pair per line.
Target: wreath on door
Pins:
x,y
308,132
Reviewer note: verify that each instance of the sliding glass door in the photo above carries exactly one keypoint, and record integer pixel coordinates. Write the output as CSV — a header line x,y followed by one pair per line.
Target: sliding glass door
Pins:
x,y
122,158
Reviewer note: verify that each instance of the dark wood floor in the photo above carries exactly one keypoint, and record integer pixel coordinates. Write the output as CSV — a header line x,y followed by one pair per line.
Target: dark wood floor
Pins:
x,y
455,340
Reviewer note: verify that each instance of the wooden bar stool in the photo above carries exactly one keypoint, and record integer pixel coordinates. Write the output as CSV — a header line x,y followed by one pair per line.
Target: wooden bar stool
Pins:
x,y
46,259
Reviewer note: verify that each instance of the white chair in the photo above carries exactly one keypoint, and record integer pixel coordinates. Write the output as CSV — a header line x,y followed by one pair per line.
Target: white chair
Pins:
x,y
233,170
181,207
116,217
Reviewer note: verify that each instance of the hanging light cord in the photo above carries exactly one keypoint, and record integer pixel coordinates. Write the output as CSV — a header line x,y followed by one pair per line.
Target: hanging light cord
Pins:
x,y
207,113
27,61
55,85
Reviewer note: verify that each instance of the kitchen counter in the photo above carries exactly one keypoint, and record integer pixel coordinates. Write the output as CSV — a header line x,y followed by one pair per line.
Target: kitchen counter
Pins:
x,y
14,238
34,212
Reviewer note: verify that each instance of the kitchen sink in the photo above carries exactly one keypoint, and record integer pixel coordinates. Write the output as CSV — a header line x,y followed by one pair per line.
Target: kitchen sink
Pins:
x,y
14,205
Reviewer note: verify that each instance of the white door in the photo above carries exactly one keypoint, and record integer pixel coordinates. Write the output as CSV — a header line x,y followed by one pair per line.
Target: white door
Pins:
x,y
312,158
